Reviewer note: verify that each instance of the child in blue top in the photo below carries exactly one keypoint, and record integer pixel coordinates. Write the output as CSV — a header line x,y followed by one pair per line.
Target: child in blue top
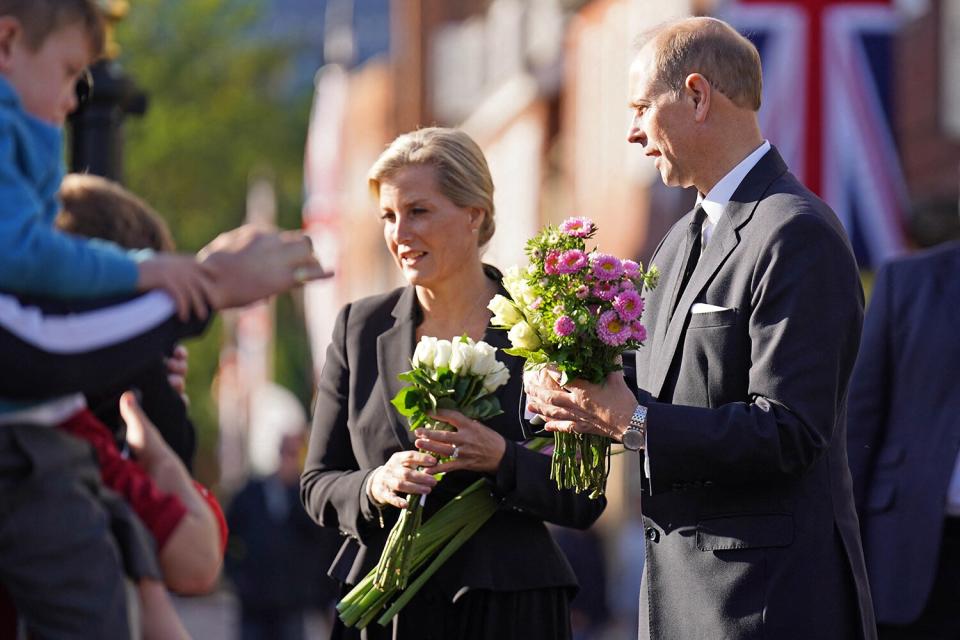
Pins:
x,y
63,569
42,55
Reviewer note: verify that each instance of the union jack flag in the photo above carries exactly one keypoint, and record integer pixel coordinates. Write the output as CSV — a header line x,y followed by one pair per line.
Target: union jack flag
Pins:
x,y
827,97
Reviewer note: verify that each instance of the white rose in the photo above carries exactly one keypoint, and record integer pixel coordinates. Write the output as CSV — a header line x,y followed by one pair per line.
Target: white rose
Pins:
x,y
441,357
461,357
484,359
523,336
496,379
505,313
425,351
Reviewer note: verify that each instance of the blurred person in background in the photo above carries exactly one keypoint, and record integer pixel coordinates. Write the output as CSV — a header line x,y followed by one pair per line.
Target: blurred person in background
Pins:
x,y
510,580
277,557
904,445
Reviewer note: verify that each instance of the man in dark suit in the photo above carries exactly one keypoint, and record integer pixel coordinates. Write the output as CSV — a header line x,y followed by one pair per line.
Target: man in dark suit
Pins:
x,y
753,331
903,444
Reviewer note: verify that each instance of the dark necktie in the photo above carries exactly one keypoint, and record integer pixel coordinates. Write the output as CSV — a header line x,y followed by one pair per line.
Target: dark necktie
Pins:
x,y
694,242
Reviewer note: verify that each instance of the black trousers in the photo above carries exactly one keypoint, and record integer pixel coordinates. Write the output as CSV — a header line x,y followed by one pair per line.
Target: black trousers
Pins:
x,y
940,619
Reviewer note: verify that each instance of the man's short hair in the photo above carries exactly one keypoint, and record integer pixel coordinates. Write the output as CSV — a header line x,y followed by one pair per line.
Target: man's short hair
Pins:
x,y
712,48
40,18
98,208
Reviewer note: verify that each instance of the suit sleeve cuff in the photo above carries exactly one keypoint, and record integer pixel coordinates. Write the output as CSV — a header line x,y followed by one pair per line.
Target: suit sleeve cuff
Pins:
x,y
505,479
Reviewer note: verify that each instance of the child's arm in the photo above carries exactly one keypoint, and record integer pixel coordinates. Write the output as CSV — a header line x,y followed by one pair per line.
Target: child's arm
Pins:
x,y
92,347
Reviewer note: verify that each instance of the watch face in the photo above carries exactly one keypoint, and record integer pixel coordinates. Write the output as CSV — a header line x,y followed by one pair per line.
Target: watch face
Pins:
x,y
632,439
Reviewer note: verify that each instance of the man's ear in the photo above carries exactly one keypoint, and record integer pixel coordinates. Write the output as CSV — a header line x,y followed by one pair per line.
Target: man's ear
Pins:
x,y
10,30
701,93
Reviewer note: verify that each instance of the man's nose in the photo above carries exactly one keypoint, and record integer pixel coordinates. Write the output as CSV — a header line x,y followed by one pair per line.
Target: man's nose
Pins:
x,y
635,134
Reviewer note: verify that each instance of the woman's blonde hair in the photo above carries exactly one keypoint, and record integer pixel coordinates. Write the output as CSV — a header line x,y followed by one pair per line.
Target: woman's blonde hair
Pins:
x,y
463,176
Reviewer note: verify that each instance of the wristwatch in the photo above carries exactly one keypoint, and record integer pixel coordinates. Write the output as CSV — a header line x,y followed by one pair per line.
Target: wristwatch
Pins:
x,y
635,437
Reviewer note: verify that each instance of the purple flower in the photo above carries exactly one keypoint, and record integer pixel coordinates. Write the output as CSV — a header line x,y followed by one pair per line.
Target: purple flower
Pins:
x,y
631,269
638,331
628,304
564,326
605,290
582,292
571,261
577,227
612,330
552,263
606,267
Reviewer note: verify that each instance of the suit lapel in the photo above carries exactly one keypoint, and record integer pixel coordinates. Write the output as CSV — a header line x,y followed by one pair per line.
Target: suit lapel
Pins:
x,y
394,350
726,237
665,302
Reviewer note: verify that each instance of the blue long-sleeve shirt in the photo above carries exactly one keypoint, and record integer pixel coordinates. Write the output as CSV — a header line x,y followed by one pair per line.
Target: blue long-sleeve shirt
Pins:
x,y
35,257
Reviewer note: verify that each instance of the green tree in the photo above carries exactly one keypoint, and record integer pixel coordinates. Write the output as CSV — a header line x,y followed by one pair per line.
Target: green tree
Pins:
x,y
221,106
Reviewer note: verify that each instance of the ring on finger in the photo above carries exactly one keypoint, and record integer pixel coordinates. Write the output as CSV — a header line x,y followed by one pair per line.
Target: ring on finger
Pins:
x,y
300,274
456,453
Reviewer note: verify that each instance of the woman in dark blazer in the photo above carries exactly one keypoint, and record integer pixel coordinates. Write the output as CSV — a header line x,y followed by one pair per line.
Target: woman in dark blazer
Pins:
x,y
510,580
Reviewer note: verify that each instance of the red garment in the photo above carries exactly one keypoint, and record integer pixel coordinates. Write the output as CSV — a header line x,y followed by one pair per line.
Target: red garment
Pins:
x,y
161,512
211,500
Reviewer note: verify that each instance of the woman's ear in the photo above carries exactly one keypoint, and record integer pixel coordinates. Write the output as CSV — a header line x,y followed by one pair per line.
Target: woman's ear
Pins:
x,y
477,216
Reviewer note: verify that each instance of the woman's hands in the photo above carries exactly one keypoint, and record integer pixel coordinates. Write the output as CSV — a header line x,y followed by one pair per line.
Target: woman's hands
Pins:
x,y
472,447
399,476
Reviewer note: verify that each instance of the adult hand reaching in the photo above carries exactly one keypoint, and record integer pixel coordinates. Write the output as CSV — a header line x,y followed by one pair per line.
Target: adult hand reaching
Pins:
x,y
254,262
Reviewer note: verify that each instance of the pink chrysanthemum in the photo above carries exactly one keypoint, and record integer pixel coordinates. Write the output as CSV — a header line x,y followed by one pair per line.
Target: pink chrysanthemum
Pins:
x,y
605,266
564,326
605,290
631,269
577,227
638,331
612,330
572,261
582,292
552,263
628,304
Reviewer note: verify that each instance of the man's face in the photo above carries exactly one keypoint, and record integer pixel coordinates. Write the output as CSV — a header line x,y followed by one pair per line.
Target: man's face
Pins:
x,y
46,79
662,122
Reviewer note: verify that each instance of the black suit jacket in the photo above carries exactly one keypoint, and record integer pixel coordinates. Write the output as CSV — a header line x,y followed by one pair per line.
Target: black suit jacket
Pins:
x,y
751,529
904,431
356,429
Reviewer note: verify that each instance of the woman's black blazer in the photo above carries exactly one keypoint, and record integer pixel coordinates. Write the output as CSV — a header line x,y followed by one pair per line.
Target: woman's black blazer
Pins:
x,y
356,429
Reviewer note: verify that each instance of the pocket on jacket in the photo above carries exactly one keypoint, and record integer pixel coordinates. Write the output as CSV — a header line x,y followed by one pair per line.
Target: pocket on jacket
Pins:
x,y
755,531
723,318
881,496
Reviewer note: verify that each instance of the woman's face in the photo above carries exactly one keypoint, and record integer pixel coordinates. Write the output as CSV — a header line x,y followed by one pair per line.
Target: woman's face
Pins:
x,y
430,238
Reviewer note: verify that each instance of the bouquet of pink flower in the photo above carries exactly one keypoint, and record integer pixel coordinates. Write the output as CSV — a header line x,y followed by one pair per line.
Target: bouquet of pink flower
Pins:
x,y
578,310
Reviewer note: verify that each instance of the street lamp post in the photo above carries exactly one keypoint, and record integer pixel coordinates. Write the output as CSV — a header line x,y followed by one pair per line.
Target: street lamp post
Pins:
x,y
96,127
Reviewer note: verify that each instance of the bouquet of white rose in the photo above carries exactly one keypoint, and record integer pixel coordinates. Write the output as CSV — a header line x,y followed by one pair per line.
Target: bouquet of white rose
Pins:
x,y
578,310
455,374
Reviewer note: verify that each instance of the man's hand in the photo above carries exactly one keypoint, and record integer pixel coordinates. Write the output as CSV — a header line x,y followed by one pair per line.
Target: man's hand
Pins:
x,y
580,406
252,262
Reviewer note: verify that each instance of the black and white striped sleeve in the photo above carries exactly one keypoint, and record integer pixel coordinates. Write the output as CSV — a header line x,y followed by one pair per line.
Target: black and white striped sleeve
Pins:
x,y
52,347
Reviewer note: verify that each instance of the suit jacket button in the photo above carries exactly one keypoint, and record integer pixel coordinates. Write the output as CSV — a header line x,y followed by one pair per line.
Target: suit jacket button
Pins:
x,y
652,534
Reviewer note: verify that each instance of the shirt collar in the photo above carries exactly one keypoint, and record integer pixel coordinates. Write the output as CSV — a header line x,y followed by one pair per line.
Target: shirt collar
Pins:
x,y
718,197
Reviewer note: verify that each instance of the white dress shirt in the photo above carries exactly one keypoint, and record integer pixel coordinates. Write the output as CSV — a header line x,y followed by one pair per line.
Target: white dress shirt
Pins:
x,y
716,200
